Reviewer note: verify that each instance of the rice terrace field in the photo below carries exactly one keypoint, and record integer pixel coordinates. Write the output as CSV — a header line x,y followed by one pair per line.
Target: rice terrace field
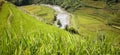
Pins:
x,y
59,27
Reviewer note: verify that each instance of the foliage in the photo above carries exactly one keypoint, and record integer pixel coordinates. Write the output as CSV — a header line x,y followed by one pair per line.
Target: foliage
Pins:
x,y
70,5
44,13
22,34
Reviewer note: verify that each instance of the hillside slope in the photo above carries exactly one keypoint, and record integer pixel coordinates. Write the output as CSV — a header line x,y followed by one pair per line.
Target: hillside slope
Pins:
x,y
22,34
85,22
88,25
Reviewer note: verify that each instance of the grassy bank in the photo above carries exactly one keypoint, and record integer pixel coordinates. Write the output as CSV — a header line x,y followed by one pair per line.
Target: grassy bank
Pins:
x,y
22,34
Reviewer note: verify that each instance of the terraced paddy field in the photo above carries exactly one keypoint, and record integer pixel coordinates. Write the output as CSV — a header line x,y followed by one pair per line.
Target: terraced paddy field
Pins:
x,y
22,34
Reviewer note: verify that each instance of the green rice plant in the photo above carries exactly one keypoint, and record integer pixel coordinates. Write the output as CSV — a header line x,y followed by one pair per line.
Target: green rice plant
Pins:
x,y
28,36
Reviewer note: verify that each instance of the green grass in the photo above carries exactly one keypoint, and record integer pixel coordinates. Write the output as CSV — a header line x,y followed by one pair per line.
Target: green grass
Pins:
x,y
46,13
22,34
90,26
106,14
91,23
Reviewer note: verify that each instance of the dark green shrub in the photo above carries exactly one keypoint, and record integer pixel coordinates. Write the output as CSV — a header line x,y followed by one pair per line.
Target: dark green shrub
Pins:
x,y
72,30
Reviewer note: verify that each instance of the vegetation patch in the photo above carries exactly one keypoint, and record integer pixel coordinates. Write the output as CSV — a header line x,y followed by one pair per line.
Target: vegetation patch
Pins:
x,y
25,35
47,14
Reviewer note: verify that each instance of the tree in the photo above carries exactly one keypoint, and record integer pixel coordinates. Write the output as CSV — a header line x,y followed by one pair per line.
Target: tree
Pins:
x,y
1,3
18,2
27,2
69,5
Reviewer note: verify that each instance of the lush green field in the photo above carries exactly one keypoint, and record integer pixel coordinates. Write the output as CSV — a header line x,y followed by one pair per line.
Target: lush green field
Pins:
x,y
22,34
46,13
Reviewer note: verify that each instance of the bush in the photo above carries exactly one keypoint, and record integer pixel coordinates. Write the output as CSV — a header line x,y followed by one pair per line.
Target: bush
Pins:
x,y
69,5
72,30
1,3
